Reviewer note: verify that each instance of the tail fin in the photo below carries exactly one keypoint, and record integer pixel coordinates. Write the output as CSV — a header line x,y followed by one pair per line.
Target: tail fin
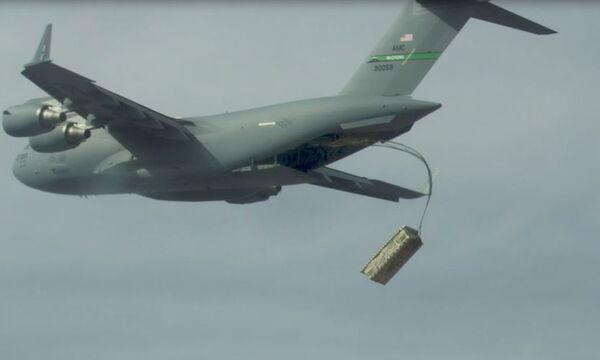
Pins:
x,y
418,38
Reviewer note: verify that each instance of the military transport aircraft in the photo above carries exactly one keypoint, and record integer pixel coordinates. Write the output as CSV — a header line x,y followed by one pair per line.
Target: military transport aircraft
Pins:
x,y
87,140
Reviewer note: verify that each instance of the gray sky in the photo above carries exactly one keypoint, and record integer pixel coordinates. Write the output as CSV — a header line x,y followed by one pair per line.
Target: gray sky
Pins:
x,y
510,263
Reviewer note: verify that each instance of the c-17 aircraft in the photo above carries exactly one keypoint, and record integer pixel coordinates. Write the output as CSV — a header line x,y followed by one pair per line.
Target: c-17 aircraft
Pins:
x,y
87,140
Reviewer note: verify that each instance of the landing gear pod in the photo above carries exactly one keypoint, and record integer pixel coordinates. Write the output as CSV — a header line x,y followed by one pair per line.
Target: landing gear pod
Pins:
x,y
393,255
62,138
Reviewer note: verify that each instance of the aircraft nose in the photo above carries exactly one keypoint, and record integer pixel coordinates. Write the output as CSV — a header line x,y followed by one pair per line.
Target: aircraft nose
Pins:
x,y
22,171
18,170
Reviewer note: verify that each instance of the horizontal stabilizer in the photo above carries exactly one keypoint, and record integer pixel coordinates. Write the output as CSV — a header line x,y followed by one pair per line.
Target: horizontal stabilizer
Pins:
x,y
497,15
338,180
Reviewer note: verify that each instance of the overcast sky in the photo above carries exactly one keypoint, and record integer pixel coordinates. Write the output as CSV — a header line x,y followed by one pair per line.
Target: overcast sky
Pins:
x,y
510,265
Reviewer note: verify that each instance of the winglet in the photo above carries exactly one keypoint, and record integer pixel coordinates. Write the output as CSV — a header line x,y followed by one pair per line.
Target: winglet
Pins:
x,y
43,51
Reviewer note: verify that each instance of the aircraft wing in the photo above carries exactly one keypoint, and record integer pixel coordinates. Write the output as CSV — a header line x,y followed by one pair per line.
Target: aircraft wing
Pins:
x,y
81,95
338,180
143,131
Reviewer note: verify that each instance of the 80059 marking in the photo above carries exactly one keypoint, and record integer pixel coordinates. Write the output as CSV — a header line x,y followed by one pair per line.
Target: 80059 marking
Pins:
x,y
384,67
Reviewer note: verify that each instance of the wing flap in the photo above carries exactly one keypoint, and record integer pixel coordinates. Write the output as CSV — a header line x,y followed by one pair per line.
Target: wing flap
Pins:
x,y
338,180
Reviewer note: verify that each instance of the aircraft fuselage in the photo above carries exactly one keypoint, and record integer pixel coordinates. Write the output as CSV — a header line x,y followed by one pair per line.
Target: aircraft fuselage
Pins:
x,y
243,154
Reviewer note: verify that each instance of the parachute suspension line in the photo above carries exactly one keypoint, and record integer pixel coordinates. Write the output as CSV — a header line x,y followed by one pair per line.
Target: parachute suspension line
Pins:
x,y
413,152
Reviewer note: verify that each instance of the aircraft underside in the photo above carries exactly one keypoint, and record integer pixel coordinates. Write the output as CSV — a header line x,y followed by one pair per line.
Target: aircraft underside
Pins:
x,y
261,180
121,173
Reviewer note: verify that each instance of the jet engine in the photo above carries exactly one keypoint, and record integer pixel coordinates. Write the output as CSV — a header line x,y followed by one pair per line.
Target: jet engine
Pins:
x,y
31,119
65,137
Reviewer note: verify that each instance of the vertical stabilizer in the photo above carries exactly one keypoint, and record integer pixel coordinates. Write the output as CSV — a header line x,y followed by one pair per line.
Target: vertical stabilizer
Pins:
x,y
418,38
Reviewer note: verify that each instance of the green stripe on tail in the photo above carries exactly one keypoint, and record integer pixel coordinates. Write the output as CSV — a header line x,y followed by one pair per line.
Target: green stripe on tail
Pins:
x,y
415,56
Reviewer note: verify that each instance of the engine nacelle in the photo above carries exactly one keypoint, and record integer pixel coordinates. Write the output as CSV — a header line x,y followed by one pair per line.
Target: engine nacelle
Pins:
x,y
65,137
31,119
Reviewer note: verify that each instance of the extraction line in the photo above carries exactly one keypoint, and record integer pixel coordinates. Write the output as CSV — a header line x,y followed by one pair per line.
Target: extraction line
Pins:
x,y
411,151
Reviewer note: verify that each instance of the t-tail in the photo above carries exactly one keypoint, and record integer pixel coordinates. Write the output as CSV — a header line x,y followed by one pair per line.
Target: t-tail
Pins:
x,y
418,38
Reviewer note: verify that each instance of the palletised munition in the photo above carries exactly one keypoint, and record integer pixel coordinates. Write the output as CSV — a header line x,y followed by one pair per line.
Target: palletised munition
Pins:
x,y
393,255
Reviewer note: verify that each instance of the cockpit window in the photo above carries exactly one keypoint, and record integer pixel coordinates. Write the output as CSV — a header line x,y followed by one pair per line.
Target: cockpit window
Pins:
x,y
5,112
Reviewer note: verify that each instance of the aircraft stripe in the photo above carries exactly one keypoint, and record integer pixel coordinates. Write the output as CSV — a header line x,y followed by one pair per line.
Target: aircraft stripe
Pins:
x,y
415,56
